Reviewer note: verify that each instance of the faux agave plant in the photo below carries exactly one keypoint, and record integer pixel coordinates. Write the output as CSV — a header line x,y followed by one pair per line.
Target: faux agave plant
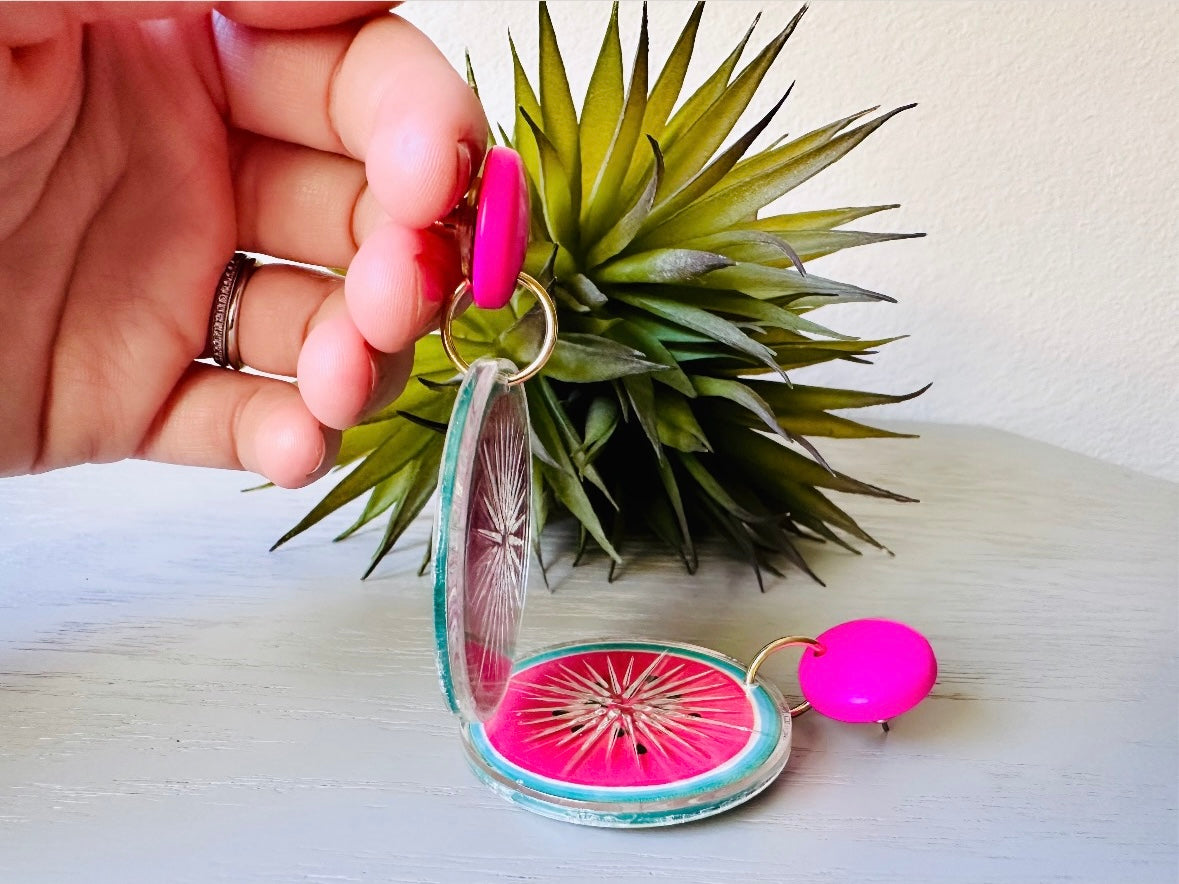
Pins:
x,y
668,405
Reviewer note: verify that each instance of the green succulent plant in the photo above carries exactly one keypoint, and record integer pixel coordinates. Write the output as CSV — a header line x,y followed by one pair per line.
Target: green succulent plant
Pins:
x,y
669,404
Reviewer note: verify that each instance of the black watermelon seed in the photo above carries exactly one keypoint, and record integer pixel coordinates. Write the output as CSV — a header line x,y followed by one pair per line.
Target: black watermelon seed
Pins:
x,y
557,712
640,749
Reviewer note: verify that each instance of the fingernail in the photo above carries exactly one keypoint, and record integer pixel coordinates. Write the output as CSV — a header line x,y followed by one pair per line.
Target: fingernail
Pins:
x,y
463,174
376,375
432,291
438,268
378,394
370,404
322,455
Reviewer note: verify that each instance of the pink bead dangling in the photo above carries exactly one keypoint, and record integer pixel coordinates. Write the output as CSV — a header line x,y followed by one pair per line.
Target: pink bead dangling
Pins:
x,y
867,670
501,229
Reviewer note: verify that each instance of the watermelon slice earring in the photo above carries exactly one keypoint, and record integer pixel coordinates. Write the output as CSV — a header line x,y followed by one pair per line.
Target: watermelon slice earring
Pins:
x,y
631,733
623,733
483,523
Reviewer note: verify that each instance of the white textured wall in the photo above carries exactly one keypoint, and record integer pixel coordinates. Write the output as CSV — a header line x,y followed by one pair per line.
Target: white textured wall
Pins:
x,y
1041,162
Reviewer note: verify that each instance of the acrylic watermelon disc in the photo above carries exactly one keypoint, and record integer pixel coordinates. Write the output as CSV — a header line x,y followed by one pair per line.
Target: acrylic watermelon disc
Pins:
x,y
631,733
481,538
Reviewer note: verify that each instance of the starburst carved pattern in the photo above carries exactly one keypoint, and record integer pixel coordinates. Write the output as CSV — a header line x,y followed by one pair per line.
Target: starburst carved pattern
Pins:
x,y
500,514
497,529
498,524
666,708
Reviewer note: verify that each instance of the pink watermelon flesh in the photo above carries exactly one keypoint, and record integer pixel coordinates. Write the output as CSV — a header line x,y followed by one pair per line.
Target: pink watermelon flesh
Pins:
x,y
622,718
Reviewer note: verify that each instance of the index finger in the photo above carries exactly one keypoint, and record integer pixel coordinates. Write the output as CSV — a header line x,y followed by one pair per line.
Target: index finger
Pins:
x,y
378,91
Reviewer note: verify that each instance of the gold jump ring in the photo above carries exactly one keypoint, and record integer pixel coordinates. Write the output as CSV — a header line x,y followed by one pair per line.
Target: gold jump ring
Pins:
x,y
550,328
777,645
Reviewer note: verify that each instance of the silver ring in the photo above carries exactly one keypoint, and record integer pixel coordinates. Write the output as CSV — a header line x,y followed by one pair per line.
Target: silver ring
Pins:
x,y
226,307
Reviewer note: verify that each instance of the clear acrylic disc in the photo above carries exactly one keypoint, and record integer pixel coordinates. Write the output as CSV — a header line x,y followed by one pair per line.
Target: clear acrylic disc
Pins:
x,y
631,734
481,539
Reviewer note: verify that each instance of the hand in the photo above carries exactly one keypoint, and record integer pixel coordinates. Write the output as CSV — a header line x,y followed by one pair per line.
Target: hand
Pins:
x,y
137,155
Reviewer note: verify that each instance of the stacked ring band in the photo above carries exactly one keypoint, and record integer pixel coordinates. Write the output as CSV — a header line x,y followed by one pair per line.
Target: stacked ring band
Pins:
x,y
226,308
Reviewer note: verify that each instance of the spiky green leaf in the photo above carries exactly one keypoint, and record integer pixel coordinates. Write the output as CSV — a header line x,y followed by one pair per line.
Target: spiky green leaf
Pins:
x,y
671,488
556,195
424,479
743,306
627,227
383,496
662,265
569,491
813,244
688,153
584,290
802,399
777,155
708,324
675,424
760,460
708,91
475,88
601,421
671,202
599,209
640,392
361,440
571,445
783,285
525,103
835,427
717,492
634,335
664,94
661,519
823,219
581,358
603,104
741,395
556,105
747,246
742,198
404,445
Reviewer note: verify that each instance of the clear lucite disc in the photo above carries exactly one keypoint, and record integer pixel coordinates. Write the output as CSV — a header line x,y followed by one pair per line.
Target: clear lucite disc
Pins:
x,y
481,542
631,733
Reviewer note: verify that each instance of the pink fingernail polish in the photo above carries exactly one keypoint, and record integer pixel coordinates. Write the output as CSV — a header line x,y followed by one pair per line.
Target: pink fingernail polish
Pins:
x,y
438,268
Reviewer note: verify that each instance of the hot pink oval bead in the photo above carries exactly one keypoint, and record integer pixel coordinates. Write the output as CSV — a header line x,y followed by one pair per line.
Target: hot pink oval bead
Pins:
x,y
871,670
501,229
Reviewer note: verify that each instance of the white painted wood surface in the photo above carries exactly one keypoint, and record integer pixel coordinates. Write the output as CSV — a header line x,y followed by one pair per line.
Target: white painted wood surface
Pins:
x,y
178,705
